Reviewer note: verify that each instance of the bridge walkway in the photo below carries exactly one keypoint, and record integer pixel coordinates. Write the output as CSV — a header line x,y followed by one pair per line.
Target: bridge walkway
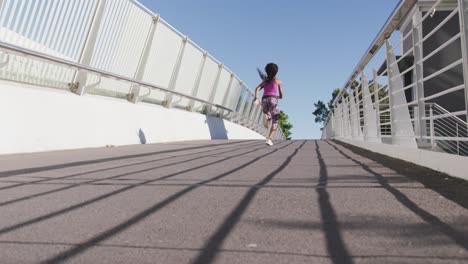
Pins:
x,y
230,201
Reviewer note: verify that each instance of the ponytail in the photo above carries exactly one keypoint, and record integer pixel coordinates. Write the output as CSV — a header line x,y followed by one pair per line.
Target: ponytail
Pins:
x,y
271,71
263,76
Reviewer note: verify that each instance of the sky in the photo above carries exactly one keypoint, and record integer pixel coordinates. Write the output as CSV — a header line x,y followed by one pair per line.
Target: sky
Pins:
x,y
316,44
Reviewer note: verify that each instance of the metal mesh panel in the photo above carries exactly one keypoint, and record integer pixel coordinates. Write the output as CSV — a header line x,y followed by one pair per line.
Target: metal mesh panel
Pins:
x,y
162,59
206,83
120,44
223,85
188,73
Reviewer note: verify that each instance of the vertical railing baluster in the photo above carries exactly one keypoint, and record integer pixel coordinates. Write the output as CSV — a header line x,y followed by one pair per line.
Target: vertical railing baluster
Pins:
x,y
420,122
247,112
175,73
431,125
402,128
463,19
226,94
134,94
79,81
196,85
458,141
237,101
377,101
214,88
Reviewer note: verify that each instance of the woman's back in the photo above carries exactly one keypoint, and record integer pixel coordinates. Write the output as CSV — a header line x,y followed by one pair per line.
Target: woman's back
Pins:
x,y
270,88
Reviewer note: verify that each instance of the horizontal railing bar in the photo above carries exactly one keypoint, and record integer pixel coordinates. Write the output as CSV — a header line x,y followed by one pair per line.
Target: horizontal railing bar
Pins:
x,y
441,24
49,58
459,113
446,68
403,56
412,103
402,73
450,90
428,13
448,42
446,138
440,108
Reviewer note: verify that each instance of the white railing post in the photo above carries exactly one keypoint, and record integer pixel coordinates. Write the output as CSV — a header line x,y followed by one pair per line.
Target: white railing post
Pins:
x,y
377,101
346,119
228,91
420,123
208,108
196,85
253,120
355,121
257,117
458,141
242,106
135,90
431,125
370,127
239,104
175,73
463,15
252,116
402,129
79,81
237,101
247,113
339,119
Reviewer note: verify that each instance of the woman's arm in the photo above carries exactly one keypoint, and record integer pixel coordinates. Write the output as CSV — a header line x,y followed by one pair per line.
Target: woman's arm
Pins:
x,y
259,87
280,87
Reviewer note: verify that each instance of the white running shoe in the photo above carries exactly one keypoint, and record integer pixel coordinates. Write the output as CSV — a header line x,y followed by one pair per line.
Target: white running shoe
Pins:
x,y
269,142
265,121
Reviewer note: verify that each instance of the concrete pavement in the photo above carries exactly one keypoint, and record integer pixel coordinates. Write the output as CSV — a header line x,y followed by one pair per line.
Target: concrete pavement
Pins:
x,y
224,202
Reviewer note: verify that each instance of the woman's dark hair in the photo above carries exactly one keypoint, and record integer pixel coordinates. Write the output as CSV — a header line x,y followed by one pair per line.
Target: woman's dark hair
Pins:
x,y
271,70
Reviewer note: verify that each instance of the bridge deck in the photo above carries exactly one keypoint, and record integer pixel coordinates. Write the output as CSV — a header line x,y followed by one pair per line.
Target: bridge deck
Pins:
x,y
224,202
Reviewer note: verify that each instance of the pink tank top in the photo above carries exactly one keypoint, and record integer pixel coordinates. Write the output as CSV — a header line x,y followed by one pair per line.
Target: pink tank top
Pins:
x,y
270,89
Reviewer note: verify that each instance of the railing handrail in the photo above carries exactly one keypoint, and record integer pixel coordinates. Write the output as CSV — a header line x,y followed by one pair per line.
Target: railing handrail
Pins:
x,y
71,64
403,7
97,51
447,112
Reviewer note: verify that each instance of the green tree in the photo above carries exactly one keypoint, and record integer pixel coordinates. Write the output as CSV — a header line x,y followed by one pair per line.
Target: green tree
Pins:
x,y
285,125
335,93
321,112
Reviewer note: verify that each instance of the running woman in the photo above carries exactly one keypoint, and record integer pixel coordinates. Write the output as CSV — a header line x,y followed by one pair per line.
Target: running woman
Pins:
x,y
272,91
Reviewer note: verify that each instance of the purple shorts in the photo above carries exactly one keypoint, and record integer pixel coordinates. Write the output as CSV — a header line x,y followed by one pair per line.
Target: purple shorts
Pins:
x,y
270,108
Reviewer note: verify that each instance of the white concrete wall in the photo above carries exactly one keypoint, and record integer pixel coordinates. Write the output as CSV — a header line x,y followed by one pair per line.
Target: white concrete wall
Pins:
x,y
40,119
453,165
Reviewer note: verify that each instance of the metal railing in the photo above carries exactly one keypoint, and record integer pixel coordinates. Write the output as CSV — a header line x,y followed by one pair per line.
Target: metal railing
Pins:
x,y
419,98
119,49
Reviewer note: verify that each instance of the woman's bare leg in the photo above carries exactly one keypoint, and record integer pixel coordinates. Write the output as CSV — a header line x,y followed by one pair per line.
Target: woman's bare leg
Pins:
x,y
272,132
